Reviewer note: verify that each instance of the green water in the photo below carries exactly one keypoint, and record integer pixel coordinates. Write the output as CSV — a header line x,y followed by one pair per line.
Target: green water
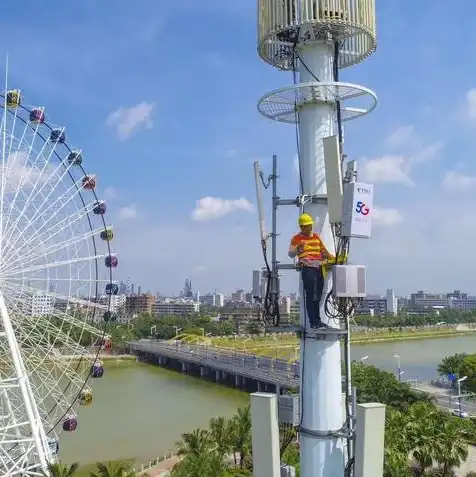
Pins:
x,y
140,411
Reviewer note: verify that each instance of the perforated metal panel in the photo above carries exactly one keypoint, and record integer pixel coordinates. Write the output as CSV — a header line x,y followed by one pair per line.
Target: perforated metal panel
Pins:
x,y
284,23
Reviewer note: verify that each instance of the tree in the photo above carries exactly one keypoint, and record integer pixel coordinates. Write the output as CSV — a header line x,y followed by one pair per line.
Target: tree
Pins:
x,y
375,385
220,431
113,469
452,448
241,434
451,364
61,470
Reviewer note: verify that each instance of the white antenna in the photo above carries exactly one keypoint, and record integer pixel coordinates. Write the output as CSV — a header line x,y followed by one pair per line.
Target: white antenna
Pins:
x,y
316,38
259,199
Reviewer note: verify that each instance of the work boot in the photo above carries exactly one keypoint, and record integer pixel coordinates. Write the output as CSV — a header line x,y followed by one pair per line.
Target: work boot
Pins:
x,y
319,325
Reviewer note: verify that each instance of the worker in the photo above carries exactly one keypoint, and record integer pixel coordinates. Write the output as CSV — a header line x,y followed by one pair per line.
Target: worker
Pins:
x,y
311,252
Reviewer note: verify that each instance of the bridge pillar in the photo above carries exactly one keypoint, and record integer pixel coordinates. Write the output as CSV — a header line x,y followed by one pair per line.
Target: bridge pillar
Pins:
x,y
203,371
217,375
278,389
259,386
160,361
184,367
237,380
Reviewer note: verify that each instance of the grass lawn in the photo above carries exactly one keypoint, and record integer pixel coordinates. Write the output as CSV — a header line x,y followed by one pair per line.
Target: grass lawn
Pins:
x,y
286,346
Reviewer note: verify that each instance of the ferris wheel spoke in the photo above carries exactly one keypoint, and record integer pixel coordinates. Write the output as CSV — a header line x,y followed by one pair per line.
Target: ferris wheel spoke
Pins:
x,y
43,252
73,322
40,181
17,271
57,206
39,239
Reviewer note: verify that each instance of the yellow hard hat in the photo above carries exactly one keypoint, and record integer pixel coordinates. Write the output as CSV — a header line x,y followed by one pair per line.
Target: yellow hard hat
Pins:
x,y
305,219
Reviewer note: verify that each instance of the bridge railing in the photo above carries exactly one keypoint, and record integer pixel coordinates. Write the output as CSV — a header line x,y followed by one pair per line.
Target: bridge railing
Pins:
x,y
260,368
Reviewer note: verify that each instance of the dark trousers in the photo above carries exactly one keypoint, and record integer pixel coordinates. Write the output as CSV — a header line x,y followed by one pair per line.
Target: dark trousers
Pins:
x,y
313,282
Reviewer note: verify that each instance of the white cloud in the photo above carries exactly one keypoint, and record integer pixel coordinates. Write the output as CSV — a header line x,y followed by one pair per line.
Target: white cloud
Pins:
x,y
387,217
128,120
396,168
387,169
127,213
454,181
402,137
471,103
210,208
110,193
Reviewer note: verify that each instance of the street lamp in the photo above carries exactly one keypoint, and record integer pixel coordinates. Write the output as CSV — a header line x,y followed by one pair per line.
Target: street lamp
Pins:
x,y
177,331
399,368
459,381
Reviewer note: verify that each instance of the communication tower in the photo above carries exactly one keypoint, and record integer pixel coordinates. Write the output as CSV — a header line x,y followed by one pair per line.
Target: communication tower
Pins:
x,y
314,39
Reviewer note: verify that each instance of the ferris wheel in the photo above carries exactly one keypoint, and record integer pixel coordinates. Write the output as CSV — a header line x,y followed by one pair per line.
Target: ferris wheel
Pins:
x,y
56,286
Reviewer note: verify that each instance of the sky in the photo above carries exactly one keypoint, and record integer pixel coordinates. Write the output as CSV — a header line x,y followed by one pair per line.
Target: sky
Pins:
x,y
161,97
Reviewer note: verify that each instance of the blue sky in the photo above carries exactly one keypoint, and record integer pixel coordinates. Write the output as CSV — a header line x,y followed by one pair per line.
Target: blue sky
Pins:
x,y
162,98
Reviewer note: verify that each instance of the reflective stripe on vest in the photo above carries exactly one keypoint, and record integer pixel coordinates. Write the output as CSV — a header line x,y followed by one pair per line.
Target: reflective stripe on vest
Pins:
x,y
312,248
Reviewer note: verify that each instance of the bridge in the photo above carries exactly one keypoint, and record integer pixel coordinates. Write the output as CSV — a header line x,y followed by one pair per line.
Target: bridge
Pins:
x,y
250,372
243,370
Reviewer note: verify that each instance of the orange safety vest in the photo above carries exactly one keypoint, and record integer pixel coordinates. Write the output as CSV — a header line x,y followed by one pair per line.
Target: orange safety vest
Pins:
x,y
314,249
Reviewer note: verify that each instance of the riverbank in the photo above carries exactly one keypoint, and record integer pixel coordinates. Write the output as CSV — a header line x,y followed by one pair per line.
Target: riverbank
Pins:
x,y
374,336
282,346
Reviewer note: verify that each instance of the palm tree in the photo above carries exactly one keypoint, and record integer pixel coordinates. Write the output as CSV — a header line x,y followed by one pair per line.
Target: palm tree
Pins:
x,y
420,429
397,446
209,464
451,445
61,470
220,433
113,469
197,442
241,434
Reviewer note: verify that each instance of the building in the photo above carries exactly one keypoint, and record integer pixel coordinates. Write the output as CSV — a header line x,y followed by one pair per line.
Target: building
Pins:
x,y
136,304
39,304
456,300
391,305
176,307
238,296
372,305
117,302
213,300
187,289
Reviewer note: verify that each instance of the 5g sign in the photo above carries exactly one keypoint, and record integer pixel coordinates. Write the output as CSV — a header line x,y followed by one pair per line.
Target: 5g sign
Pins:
x,y
361,208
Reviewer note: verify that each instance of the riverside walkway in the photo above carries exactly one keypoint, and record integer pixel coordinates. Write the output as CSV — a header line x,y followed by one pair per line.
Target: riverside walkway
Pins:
x,y
242,369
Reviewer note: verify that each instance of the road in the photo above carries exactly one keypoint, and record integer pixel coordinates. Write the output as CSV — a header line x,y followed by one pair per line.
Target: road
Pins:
x,y
447,398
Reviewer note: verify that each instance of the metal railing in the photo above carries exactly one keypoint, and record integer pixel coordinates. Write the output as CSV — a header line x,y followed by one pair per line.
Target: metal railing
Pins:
x,y
153,463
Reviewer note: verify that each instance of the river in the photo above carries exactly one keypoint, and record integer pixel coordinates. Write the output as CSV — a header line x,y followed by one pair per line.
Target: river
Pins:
x,y
139,411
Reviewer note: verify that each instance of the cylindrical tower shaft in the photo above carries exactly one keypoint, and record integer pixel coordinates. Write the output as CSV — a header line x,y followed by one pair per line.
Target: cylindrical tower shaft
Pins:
x,y
303,35
321,380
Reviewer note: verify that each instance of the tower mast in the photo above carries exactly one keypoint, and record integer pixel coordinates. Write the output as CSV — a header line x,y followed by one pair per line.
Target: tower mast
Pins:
x,y
315,38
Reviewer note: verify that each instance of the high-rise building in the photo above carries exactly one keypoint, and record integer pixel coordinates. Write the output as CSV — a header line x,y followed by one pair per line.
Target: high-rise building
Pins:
x,y
136,304
392,308
187,289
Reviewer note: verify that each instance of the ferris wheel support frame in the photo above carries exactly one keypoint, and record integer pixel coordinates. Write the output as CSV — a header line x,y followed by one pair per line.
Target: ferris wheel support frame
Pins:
x,y
33,416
